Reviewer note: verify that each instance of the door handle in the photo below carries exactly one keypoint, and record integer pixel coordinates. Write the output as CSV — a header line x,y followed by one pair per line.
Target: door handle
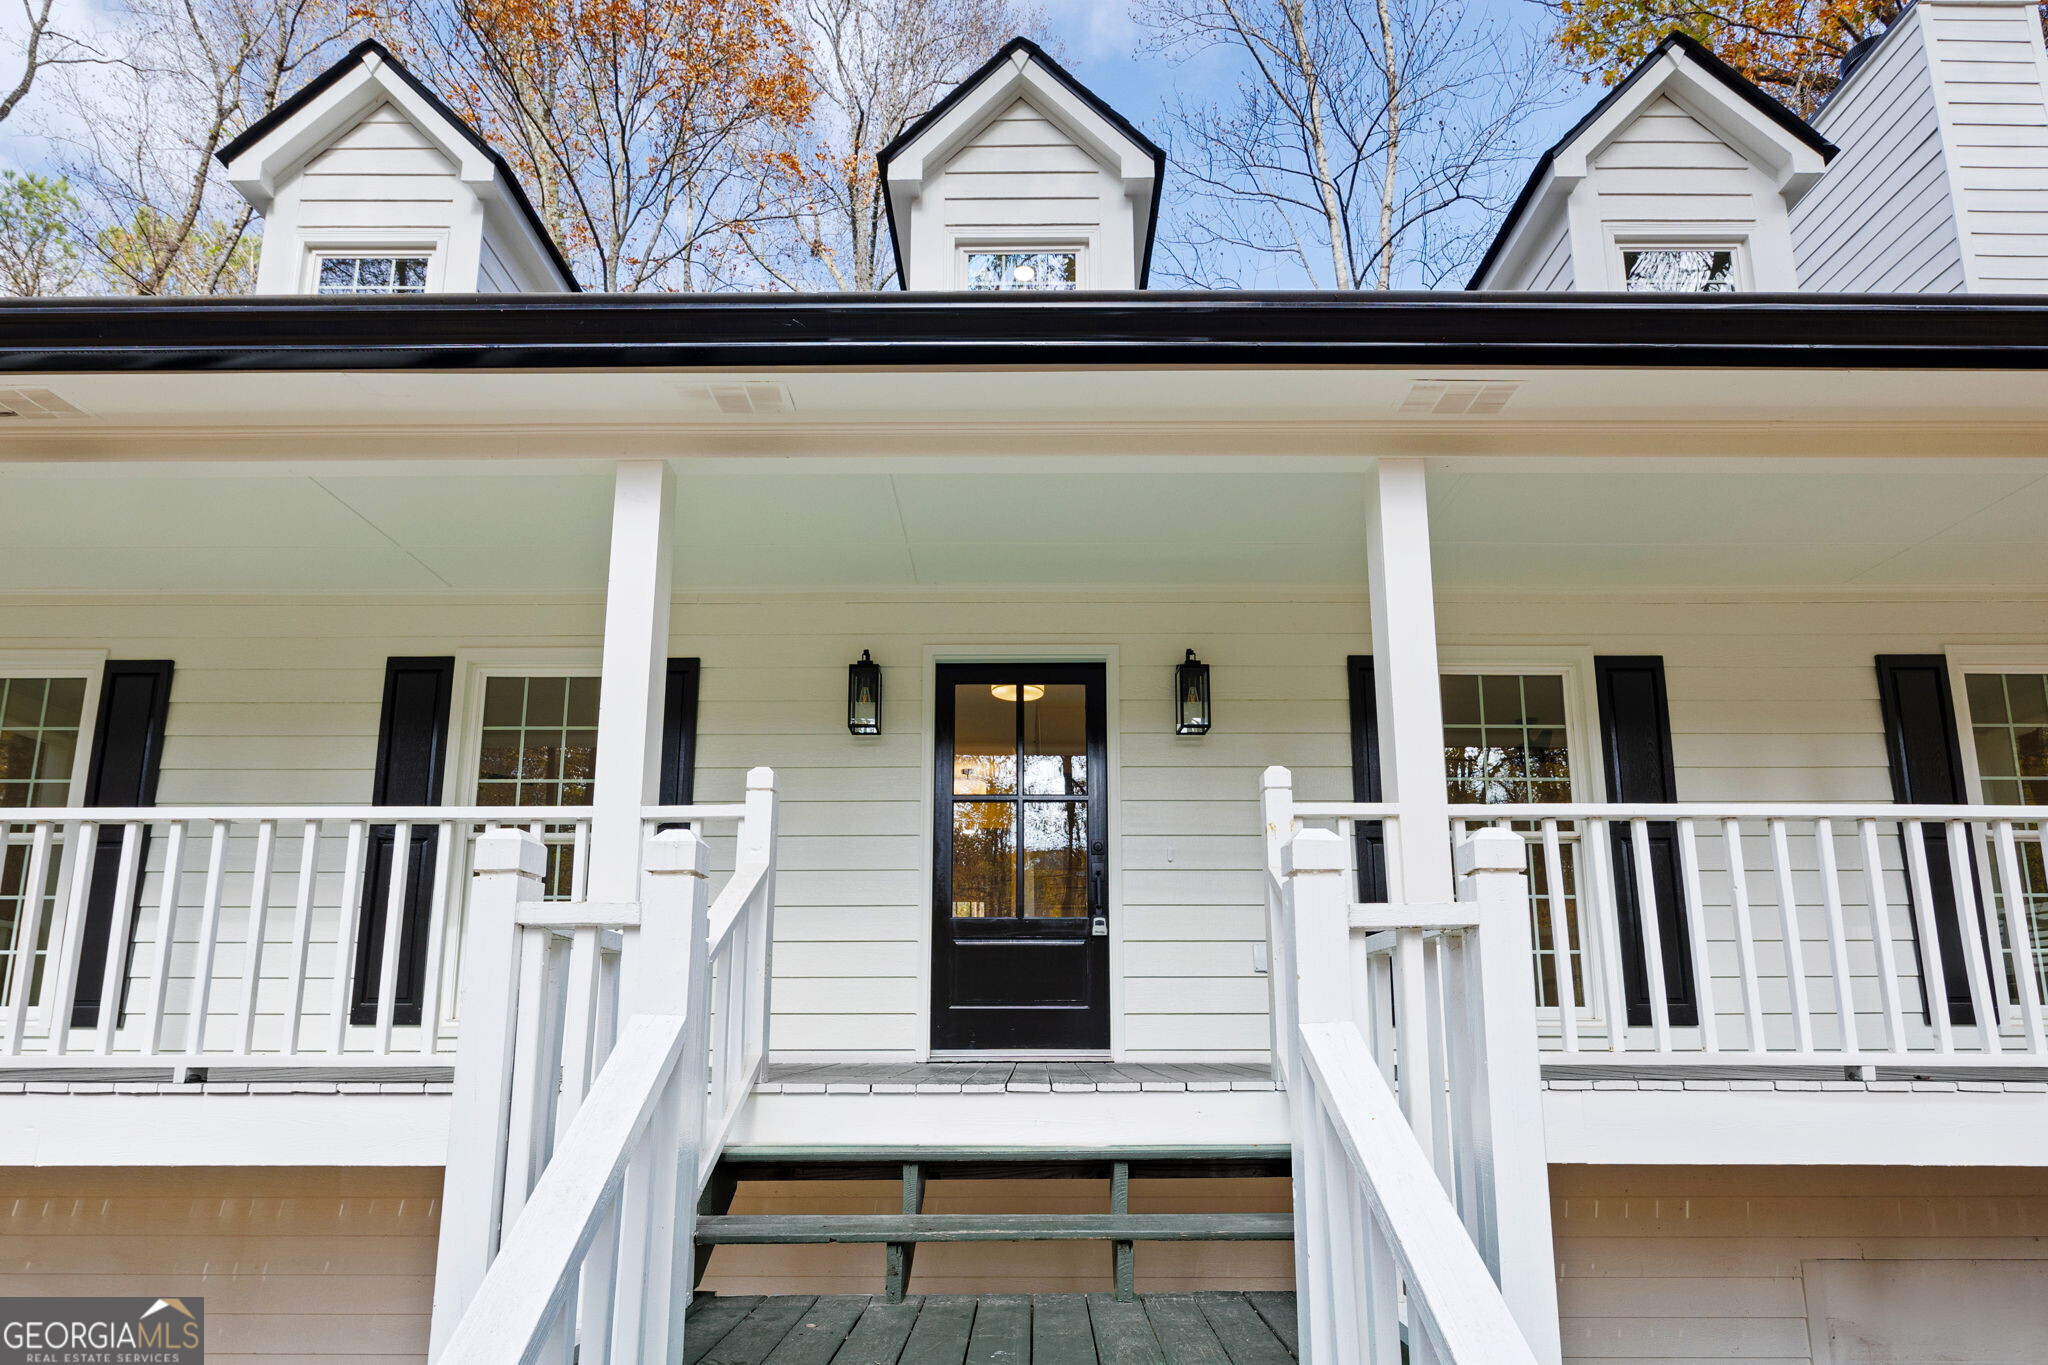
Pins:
x,y
1100,905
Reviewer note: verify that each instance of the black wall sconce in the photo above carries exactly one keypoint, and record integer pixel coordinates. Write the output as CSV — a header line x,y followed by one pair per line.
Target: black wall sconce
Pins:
x,y
1191,693
864,696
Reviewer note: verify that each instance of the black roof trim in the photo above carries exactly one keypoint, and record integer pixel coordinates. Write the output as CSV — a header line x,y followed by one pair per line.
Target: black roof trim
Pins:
x,y
1697,51
369,47
1122,329
1079,91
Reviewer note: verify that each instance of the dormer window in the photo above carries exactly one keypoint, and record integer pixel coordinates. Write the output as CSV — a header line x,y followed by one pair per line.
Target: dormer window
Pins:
x,y
372,275
1023,270
1679,269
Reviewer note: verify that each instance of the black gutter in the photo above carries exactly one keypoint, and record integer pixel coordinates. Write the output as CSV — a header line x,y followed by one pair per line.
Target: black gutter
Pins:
x,y
747,331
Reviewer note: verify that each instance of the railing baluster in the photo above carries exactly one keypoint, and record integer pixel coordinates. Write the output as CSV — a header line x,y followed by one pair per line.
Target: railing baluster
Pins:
x,y
1382,1298
28,932
438,913
1593,843
2020,933
1435,1026
168,904
342,978
1411,1006
1795,948
81,837
1838,934
1745,936
394,935
1696,933
302,935
209,936
1933,971
1652,938
1971,924
259,923
1565,965
1881,936
579,1024
114,972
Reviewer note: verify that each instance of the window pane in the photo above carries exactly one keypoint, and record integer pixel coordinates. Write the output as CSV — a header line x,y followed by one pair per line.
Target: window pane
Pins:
x,y
2009,730
1518,750
412,272
39,721
1687,270
1055,739
374,272
1986,692
1021,270
984,740
529,753
984,859
337,274
1055,859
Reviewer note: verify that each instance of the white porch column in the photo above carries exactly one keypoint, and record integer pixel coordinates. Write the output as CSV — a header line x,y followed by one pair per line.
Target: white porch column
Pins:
x,y
1411,719
635,674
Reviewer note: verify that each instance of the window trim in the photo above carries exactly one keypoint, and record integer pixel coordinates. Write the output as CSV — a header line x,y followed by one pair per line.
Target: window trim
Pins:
x,y
1082,247
314,246
90,665
473,668
1964,660
1623,238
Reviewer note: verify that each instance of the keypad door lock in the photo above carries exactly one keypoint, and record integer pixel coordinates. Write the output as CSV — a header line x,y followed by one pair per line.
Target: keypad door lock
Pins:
x,y
1101,929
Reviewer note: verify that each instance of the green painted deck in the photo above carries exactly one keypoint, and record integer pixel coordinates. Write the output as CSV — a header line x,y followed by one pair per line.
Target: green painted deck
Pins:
x,y
992,1329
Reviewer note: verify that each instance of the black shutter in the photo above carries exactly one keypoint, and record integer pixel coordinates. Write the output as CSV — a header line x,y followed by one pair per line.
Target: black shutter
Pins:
x,y
679,733
412,761
1635,735
127,755
1365,778
1924,748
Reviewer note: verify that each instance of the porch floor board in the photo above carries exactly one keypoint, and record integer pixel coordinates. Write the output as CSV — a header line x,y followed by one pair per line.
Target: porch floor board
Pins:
x,y
994,1078
1015,1329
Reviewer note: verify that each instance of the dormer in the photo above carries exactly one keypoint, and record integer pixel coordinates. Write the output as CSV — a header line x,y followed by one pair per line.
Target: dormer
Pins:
x,y
1021,179
1681,179
369,184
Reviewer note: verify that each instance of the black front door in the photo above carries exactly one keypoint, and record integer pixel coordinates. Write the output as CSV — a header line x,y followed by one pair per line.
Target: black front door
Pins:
x,y
1020,935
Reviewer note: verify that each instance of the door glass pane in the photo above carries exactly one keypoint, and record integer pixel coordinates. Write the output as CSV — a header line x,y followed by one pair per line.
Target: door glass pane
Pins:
x,y
984,859
1056,739
984,740
1056,859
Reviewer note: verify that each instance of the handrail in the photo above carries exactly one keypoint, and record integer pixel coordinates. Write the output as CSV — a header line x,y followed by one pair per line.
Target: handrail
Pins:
x,y
538,1265
732,901
1744,810
1449,1289
376,815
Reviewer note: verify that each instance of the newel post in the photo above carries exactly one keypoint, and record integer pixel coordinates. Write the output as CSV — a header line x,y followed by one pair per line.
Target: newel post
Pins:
x,y
1317,904
665,969
509,864
1276,809
1512,1165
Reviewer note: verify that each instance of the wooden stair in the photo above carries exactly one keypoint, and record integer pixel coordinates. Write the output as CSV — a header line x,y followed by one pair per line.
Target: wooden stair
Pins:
x,y
903,1232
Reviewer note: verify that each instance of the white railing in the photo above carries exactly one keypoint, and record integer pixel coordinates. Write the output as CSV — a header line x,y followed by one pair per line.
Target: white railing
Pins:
x,y
1411,1246
264,936
569,1210
1783,934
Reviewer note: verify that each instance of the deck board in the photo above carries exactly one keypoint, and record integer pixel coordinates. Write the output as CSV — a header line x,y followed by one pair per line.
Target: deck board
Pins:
x,y
951,1078
1213,1328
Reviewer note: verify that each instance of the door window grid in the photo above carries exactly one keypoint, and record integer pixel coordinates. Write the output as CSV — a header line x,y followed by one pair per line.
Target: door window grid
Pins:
x,y
1019,854
40,719
2009,731
1506,743
538,747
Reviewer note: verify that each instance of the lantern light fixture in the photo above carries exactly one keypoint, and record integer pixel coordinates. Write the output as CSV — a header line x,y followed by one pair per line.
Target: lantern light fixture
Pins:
x,y
1191,696
864,696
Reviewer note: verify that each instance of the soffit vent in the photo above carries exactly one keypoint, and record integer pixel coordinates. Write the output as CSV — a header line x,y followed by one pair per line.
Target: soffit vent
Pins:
x,y
35,403
746,398
1456,398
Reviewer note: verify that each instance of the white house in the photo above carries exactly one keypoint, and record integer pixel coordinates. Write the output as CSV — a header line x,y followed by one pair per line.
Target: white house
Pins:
x,y
1030,818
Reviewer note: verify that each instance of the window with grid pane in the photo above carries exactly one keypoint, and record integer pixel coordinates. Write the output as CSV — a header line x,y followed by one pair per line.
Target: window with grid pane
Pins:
x,y
39,729
1505,743
373,275
538,747
2009,729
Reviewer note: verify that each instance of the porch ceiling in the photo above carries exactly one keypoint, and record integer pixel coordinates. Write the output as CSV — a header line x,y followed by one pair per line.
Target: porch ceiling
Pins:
x,y
1022,526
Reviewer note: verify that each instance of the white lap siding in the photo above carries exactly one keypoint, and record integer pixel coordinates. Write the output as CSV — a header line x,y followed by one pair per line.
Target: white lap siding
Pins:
x,y
1685,1265
1772,697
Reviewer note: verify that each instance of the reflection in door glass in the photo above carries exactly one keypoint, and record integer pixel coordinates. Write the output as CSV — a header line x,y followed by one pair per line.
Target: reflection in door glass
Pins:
x,y
984,742
984,859
1055,859
1056,740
